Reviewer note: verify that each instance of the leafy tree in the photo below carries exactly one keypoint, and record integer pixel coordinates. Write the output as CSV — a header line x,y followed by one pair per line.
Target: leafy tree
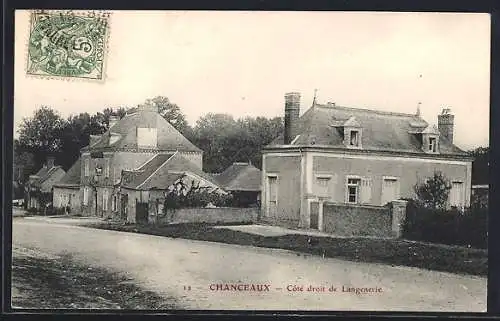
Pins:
x,y
171,112
213,133
225,140
480,165
41,134
434,192
24,164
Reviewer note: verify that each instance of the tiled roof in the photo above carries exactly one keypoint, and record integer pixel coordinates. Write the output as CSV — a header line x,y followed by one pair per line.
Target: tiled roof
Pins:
x,y
382,131
161,171
43,174
169,139
240,177
137,177
72,176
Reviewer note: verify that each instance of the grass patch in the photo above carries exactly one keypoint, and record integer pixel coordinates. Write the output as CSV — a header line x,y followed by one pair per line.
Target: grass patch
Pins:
x,y
437,257
41,283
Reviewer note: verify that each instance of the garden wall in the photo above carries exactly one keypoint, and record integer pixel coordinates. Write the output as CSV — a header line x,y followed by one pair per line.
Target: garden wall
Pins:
x,y
209,215
362,220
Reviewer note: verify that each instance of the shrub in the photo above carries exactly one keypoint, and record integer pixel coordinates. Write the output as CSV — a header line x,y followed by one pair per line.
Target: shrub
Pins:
x,y
455,227
182,196
434,192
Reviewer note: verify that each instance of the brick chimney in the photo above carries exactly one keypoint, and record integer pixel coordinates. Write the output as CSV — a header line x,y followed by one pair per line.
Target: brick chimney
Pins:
x,y
113,119
292,111
50,161
445,124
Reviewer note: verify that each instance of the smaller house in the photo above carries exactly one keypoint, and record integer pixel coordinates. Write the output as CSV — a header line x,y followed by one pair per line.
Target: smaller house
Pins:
x,y
66,193
38,190
243,181
141,192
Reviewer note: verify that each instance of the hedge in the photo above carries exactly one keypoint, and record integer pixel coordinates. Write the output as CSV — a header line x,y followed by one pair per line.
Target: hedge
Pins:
x,y
454,227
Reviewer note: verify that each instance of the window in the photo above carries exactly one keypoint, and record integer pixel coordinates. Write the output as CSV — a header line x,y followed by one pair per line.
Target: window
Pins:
x,y
105,200
353,190
113,203
147,137
322,185
390,190
87,167
85,196
456,194
432,144
354,138
106,167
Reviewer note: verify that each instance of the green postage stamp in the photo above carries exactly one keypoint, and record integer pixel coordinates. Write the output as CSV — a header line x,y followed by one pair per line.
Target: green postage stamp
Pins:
x,y
68,44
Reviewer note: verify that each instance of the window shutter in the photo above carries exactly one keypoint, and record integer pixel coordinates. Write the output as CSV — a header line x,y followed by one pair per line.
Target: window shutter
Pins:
x,y
106,167
366,191
332,187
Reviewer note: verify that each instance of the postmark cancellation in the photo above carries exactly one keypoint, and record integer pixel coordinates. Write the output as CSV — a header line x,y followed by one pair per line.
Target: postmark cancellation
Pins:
x,y
68,44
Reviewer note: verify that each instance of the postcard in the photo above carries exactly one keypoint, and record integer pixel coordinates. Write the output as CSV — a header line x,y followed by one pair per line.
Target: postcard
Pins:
x,y
250,160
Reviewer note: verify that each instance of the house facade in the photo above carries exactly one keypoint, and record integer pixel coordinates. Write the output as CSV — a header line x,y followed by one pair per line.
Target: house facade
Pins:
x,y
38,190
66,192
129,143
355,156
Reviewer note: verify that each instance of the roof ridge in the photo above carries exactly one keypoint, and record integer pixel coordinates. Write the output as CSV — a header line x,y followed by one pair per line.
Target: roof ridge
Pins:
x,y
381,112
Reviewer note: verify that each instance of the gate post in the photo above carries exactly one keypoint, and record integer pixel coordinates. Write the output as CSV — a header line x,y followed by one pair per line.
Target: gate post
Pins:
x,y
398,217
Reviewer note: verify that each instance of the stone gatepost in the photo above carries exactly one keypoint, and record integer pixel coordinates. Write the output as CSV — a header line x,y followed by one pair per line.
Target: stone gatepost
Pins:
x,y
398,217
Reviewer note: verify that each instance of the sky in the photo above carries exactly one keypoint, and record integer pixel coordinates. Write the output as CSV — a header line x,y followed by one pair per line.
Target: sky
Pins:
x,y
242,63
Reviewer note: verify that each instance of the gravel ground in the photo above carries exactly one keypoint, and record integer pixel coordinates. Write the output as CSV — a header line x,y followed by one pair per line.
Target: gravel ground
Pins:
x,y
186,270
57,282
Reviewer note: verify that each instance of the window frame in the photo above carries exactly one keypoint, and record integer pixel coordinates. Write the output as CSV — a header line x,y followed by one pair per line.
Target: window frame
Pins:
x,y
462,196
398,186
106,167
85,195
432,147
357,135
86,169
105,198
358,188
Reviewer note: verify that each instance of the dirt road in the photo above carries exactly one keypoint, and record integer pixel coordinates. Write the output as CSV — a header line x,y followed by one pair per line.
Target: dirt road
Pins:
x,y
205,275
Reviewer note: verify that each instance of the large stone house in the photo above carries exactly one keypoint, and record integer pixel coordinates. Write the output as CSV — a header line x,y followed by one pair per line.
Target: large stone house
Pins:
x,y
355,156
38,190
129,145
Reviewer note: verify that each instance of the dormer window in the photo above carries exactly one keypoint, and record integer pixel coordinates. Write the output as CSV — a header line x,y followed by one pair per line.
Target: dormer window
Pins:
x,y
354,141
351,130
432,144
147,137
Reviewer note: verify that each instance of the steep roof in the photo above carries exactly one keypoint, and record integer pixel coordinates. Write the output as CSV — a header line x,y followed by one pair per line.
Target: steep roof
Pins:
x,y
124,135
382,131
162,171
43,174
240,177
72,176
